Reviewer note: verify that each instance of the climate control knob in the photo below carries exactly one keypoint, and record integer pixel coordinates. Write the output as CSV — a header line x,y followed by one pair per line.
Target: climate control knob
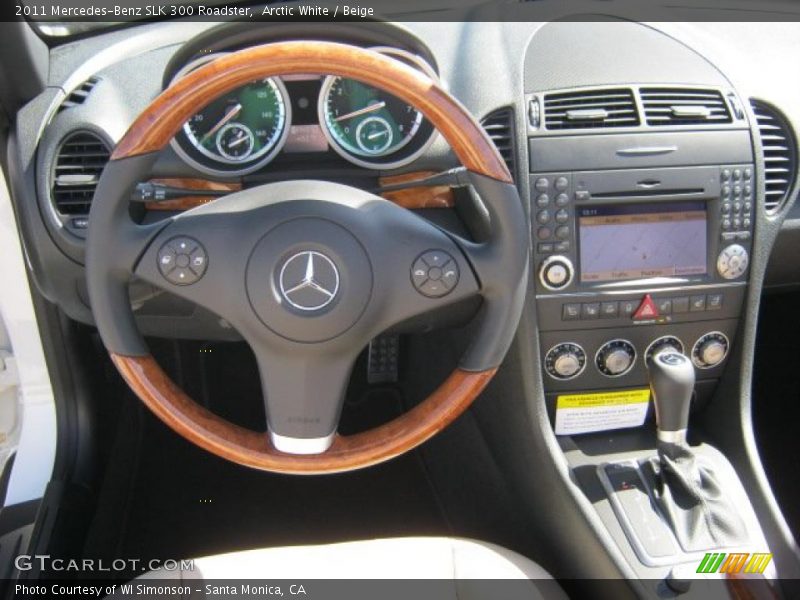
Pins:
x,y
662,344
556,272
710,350
615,358
732,261
565,361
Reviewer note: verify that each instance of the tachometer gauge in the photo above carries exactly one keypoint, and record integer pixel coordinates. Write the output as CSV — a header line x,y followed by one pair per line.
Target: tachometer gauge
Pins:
x,y
370,127
238,132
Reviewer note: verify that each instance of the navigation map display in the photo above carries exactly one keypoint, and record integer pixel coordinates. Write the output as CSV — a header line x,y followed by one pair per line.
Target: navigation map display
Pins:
x,y
642,241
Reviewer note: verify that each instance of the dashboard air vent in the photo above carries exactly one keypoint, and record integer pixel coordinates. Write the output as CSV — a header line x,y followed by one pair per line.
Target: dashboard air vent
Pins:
x,y
780,154
79,95
78,165
499,125
590,109
684,106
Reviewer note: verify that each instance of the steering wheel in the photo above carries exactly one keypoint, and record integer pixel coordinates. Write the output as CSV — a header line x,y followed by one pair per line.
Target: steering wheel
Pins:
x,y
308,272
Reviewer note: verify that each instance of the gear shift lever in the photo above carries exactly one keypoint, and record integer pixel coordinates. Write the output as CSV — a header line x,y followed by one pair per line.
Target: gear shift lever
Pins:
x,y
672,385
687,492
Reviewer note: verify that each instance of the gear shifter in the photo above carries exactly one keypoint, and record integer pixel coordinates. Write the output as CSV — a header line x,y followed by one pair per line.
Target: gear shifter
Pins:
x,y
672,386
686,492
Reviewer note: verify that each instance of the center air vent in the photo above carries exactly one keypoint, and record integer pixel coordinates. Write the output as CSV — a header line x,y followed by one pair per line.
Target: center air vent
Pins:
x,y
590,109
78,165
684,106
780,154
499,125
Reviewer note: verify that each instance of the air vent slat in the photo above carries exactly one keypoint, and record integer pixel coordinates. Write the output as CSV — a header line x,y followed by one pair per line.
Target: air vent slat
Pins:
x,y
499,126
79,95
677,106
79,163
779,155
590,109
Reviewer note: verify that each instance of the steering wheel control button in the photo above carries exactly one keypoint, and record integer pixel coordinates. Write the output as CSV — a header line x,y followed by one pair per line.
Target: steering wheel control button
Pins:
x,y
182,261
556,272
434,273
615,358
710,350
732,262
565,361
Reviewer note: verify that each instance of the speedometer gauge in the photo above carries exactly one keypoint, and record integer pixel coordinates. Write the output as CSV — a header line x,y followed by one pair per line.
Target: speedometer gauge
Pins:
x,y
371,127
238,132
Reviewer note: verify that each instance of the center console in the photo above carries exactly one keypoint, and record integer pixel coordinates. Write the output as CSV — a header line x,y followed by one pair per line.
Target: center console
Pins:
x,y
629,260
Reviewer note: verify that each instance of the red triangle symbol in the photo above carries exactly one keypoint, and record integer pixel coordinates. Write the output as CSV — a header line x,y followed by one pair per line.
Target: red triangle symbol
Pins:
x,y
647,309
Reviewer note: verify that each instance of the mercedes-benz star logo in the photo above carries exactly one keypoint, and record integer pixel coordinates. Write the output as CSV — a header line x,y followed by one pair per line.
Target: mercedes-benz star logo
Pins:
x,y
309,280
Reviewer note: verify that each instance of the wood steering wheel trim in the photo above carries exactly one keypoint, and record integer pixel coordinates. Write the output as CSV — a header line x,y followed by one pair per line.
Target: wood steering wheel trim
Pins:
x,y
152,131
254,449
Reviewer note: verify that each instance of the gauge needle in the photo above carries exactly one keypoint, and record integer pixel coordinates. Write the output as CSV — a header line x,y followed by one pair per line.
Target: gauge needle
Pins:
x,y
228,116
241,139
361,111
377,134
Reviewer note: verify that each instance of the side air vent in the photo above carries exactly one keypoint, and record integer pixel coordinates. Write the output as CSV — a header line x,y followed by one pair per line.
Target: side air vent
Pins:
x,y
499,125
684,106
79,163
79,95
780,154
590,109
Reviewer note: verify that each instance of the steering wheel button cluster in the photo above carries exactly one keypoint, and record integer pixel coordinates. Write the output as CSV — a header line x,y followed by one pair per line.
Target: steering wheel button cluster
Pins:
x,y
434,274
182,261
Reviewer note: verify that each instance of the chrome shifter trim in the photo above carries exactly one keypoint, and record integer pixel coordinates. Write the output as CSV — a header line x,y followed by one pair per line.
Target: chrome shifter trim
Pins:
x,y
672,437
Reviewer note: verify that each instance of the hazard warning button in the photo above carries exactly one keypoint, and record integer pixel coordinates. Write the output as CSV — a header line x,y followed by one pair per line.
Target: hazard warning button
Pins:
x,y
647,309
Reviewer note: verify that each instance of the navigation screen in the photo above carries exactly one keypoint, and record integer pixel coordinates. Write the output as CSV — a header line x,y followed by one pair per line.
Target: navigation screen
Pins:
x,y
642,241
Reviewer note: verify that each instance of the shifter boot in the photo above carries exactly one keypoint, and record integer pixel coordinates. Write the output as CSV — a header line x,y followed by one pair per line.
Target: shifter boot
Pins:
x,y
692,501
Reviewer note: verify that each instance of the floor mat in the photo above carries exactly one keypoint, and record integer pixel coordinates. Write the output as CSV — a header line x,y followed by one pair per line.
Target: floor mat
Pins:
x,y
165,498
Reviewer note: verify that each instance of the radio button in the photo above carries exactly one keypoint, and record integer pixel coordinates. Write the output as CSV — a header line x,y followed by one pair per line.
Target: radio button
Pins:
x,y
561,247
562,183
542,184
737,223
562,232
571,312
543,216
729,236
746,223
609,310
737,207
726,223
582,196
714,302
697,303
590,310
542,200
748,174
743,236
544,233
680,305
562,216
748,206
545,248
562,200
726,208
627,307
726,191
556,272
726,174
737,174
664,305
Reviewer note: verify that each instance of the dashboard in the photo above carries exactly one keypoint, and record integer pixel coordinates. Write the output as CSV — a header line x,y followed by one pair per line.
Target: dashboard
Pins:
x,y
655,188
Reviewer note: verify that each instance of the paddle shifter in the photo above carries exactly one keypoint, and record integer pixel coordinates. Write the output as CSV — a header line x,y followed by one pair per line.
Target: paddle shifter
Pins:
x,y
672,386
688,494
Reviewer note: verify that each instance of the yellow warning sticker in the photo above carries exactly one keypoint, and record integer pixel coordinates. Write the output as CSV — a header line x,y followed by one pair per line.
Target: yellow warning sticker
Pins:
x,y
601,411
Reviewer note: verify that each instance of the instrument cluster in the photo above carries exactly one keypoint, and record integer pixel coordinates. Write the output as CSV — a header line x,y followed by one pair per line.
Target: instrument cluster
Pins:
x,y
243,130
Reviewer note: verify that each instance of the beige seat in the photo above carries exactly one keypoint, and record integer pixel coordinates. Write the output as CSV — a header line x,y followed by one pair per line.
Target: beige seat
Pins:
x,y
465,569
